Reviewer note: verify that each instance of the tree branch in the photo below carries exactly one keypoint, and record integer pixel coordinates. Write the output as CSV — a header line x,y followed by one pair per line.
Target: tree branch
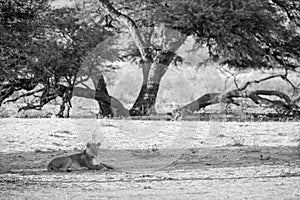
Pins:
x,y
30,106
24,95
131,25
260,80
285,104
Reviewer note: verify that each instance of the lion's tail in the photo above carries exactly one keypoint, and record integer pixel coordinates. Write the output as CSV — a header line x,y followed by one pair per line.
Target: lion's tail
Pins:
x,y
107,166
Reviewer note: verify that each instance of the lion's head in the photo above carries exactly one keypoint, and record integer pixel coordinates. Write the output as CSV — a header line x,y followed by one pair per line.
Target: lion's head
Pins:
x,y
93,149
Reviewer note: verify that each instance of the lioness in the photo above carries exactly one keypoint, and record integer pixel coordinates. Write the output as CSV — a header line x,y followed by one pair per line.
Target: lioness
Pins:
x,y
79,160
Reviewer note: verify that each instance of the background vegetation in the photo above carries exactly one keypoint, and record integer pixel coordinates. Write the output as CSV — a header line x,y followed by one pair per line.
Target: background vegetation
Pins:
x,y
140,58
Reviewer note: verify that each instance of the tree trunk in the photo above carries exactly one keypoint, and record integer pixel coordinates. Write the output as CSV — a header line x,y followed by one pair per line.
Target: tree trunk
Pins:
x,y
66,95
103,98
152,74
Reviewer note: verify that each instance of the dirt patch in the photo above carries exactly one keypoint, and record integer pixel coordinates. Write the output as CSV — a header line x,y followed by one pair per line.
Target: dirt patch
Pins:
x,y
232,172
136,160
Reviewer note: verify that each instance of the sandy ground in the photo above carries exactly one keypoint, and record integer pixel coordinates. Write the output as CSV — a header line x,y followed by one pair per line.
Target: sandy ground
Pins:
x,y
153,159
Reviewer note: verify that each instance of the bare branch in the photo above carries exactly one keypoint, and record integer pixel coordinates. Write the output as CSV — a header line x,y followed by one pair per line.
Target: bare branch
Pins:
x,y
260,80
24,95
233,75
131,25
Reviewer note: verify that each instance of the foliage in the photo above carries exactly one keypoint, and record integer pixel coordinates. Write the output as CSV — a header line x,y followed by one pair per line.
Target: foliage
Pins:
x,y
45,45
20,24
45,41
240,33
68,43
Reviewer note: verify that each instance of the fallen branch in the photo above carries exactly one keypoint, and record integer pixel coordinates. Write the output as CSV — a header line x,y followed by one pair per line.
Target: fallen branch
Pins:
x,y
281,95
284,104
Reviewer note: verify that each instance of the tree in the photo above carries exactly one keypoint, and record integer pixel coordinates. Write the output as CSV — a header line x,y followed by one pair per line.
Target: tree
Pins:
x,y
49,52
69,42
20,24
240,34
237,33
154,61
245,34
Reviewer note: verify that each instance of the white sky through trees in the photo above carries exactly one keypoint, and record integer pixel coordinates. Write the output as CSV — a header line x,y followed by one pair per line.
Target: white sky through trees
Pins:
x,y
61,3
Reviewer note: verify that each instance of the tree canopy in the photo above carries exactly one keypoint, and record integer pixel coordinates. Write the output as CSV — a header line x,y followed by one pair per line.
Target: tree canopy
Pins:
x,y
48,46
21,23
40,44
239,33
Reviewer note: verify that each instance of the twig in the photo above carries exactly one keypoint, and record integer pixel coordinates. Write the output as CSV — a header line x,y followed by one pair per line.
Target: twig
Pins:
x,y
233,75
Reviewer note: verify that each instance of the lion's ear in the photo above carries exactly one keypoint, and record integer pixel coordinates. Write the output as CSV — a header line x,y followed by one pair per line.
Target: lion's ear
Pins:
x,y
88,145
99,144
